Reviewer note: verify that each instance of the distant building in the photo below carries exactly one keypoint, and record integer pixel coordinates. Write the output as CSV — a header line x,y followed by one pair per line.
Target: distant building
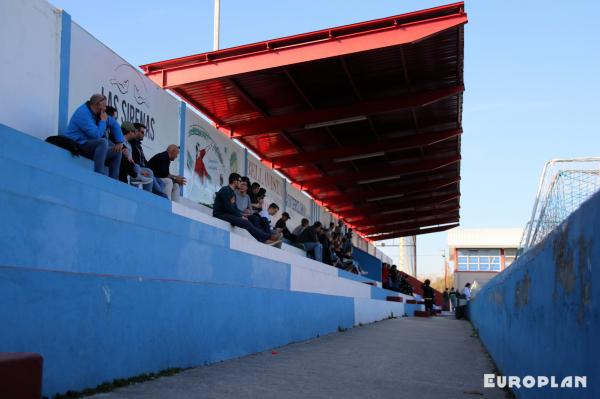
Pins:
x,y
477,255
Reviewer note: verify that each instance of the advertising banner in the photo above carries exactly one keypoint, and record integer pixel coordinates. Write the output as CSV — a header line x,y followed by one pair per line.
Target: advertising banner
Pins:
x,y
209,159
267,178
296,204
95,68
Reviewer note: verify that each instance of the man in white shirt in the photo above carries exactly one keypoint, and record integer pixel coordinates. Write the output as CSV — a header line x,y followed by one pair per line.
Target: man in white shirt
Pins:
x,y
467,291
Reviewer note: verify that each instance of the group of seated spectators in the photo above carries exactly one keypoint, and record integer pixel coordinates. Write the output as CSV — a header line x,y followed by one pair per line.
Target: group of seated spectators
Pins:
x,y
116,149
393,279
242,204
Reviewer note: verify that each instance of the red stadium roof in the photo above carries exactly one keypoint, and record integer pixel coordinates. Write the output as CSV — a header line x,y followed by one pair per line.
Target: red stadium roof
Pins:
x,y
364,117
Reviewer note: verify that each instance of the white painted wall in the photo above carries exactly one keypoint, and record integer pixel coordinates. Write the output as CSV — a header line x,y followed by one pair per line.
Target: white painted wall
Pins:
x,y
95,68
370,310
30,58
269,180
298,206
29,55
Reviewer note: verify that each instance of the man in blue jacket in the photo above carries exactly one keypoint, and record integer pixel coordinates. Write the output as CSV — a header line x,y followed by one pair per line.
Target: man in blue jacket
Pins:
x,y
88,127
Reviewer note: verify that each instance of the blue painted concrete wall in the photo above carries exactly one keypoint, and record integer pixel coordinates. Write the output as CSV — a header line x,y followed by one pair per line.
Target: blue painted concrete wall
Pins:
x,y
93,328
369,263
105,282
541,316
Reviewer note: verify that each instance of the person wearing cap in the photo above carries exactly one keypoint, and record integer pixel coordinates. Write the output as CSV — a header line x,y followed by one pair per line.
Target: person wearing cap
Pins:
x,y
88,127
282,224
137,173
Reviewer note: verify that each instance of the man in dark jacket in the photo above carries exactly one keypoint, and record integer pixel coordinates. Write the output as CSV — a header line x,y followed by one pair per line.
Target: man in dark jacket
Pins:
x,y
428,296
224,208
160,164
282,224
310,239
136,145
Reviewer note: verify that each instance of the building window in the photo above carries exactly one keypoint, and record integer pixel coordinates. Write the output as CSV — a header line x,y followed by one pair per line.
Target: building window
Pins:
x,y
479,260
509,256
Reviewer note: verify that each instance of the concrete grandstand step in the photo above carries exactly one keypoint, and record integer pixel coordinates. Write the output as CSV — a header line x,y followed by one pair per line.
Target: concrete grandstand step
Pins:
x,y
20,148
51,204
36,184
97,263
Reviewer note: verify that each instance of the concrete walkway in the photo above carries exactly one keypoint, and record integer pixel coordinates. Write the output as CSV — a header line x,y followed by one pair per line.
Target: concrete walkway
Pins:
x,y
419,358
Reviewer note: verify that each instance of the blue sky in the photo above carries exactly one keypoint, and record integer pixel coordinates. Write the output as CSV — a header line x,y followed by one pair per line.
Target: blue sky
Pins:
x,y
531,75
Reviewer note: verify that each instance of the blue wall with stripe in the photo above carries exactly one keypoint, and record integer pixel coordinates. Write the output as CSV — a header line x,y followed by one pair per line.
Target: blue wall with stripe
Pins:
x,y
105,282
369,263
541,316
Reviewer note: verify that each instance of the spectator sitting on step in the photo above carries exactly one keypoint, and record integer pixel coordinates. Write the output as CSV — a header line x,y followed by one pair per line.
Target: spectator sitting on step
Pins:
x,y
303,225
266,223
333,252
112,112
309,238
405,286
129,168
394,279
340,228
259,204
88,127
160,164
140,159
253,192
325,241
347,257
282,224
385,271
224,208
136,145
242,199
329,232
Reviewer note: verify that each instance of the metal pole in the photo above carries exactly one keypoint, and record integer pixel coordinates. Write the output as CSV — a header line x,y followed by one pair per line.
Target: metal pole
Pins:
x,y
216,24
415,254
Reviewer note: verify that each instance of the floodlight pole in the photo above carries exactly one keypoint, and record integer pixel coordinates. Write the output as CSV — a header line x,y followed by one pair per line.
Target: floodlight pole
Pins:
x,y
216,24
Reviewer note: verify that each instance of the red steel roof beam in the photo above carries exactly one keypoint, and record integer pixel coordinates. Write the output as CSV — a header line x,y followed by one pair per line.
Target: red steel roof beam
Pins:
x,y
415,232
440,219
348,205
381,175
339,114
326,44
372,220
401,191
343,154
396,207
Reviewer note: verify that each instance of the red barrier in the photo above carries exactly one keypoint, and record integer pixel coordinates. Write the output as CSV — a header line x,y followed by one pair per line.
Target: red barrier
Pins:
x,y
21,375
